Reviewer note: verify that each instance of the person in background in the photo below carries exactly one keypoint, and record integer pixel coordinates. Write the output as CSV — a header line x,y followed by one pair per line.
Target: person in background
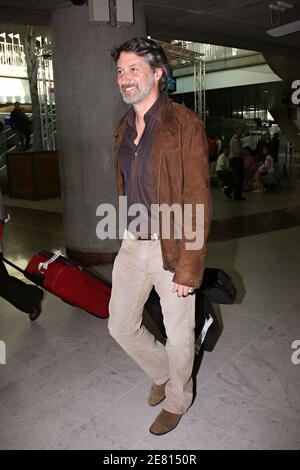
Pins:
x,y
219,144
237,163
265,173
26,127
246,139
224,172
212,149
250,167
17,122
264,142
274,147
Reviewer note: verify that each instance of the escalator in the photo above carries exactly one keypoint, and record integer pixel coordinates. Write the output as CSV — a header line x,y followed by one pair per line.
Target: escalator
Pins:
x,y
7,143
48,130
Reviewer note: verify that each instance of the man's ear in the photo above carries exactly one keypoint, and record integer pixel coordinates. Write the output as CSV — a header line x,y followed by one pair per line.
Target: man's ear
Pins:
x,y
158,74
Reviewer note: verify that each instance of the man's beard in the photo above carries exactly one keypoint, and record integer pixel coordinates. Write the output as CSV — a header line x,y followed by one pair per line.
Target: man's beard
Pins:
x,y
139,95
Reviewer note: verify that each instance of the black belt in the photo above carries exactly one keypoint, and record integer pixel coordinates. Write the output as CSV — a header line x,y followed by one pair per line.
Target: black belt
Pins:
x,y
149,236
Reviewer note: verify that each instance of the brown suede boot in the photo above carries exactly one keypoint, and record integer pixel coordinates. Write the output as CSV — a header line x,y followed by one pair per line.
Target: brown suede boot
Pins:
x,y
157,394
164,422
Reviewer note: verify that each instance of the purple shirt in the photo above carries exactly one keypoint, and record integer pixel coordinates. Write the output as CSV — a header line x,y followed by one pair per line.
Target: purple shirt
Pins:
x,y
135,160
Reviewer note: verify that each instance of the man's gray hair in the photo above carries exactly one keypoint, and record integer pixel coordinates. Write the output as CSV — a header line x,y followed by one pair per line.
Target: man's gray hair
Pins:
x,y
152,52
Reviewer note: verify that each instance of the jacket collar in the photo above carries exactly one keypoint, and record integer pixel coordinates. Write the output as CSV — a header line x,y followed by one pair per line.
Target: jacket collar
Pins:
x,y
168,119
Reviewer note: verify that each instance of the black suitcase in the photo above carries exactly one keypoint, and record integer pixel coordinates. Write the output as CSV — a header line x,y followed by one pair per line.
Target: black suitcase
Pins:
x,y
24,297
216,287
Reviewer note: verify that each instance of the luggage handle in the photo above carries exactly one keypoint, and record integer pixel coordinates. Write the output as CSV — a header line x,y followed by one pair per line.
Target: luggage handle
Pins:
x,y
76,264
63,260
37,279
45,265
12,265
41,266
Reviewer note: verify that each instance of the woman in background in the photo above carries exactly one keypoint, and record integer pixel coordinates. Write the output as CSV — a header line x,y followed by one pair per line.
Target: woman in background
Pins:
x,y
265,173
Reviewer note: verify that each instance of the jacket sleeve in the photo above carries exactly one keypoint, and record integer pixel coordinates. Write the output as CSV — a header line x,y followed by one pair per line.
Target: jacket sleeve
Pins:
x,y
196,204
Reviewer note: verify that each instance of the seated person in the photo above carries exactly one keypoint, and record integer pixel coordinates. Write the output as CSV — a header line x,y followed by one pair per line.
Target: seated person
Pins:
x,y
224,172
250,167
265,173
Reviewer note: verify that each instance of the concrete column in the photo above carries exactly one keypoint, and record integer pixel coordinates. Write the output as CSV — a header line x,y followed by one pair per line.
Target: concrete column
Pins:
x,y
88,107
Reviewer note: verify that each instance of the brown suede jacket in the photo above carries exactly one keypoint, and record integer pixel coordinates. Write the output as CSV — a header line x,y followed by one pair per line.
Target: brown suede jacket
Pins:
x,y
180,175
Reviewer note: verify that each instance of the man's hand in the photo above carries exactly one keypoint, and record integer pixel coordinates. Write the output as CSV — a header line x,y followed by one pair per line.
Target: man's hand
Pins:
x,y
182,291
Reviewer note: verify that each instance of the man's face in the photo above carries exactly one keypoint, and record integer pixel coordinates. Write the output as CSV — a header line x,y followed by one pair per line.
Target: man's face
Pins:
x,y
136,79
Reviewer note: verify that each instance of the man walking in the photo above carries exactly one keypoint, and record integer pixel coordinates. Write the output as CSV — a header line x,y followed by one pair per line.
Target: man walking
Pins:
x,y
161,159
17,121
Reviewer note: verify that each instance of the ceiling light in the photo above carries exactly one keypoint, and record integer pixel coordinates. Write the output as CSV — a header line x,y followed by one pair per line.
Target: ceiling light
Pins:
x,y
284,4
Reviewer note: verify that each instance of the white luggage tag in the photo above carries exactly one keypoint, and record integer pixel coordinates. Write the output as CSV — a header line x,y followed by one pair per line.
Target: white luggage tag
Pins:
x,y
45,265
7,219
207,324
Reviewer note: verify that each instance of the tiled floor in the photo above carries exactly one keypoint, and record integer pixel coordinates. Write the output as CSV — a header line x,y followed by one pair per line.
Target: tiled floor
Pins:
x,y
68,385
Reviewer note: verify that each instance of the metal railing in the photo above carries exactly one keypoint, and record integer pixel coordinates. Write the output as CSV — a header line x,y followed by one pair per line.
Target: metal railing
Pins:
x,y
12,54
47,98
211,52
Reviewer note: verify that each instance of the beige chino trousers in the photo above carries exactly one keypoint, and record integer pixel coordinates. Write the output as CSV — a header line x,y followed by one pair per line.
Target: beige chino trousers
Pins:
x,y
137,268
